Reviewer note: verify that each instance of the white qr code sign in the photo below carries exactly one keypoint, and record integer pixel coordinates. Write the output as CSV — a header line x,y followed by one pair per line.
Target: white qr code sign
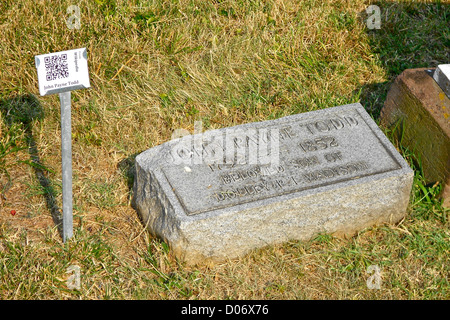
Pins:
x,y
62,71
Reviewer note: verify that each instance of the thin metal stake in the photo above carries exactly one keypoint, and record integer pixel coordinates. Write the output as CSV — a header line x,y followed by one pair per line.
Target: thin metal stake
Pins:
x,y
66,157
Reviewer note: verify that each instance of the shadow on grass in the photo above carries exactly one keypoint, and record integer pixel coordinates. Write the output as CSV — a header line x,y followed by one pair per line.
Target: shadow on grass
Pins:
x,y
126,166
23,110
412,35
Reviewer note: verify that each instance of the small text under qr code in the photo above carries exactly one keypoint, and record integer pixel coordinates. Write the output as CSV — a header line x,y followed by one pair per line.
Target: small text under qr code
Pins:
x,y
56,67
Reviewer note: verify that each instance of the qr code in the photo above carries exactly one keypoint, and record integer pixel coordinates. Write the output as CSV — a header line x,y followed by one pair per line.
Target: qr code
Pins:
x,y
56,66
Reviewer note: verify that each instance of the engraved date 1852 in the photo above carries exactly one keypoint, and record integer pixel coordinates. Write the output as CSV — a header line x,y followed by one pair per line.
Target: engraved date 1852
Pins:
x,y
319,143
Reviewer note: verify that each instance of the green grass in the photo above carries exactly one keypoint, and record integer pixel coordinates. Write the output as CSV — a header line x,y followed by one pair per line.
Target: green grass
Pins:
x,y
160,66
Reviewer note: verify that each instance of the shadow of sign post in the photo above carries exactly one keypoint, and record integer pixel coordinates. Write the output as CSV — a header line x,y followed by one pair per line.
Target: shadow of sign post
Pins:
x,y
23,110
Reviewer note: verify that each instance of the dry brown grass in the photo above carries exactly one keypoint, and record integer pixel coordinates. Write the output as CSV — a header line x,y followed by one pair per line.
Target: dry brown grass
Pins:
x,y
222,62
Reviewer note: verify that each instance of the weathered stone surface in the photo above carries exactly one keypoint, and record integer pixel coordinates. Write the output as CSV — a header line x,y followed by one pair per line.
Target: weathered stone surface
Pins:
x,y
330,170
421,111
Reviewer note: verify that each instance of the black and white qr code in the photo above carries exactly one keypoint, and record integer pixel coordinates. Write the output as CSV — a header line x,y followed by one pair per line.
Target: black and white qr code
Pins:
x,y
56,67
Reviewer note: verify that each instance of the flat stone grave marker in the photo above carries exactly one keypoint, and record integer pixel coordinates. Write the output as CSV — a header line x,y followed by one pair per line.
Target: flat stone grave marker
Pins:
x,y
222,193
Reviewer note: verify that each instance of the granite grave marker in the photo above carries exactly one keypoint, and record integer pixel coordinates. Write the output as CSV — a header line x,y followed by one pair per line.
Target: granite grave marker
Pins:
x,y
217,195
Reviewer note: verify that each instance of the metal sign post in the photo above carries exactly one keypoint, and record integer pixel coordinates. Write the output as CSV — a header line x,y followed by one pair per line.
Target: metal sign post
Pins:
x,y
66,160
62,72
